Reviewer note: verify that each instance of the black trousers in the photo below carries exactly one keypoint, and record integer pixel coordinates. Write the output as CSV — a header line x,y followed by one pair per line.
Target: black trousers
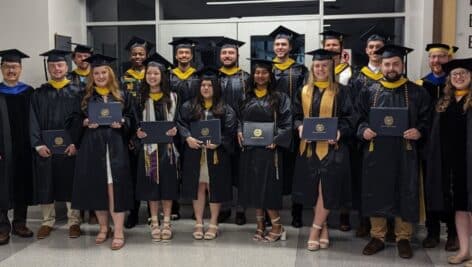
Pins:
x,y
19,217
433,223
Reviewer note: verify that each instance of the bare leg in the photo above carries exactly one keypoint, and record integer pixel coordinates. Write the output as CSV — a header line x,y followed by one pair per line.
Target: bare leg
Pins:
x,y
118,221
198,209
277,232
213,227
260,230
102,216
166,232
463,225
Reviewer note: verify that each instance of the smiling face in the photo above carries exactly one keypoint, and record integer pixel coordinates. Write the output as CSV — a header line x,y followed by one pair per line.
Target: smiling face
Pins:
x,y
229,56
184,55
206,89
101,76
261,77
79,60
320,69
153,76
371,48
460,78
435,59
57,70
11,72
137,56
282,47
392,68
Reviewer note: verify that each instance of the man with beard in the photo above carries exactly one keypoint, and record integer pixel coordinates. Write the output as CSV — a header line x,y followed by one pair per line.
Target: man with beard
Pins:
x,y
434,84
79,75
390,175
333,41
234,83
15,149
290,77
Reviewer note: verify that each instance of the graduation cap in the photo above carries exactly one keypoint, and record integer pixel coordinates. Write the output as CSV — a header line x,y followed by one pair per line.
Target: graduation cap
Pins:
x,y
465,63
98,60
451,50
12,55
376,34
158,59
229,43
392,50
81,48
332,34
208,73
282,32
264,63
55,55
322,54
137,41
183,43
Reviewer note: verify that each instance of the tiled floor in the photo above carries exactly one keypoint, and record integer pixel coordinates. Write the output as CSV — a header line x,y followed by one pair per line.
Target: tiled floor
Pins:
x,y
233,247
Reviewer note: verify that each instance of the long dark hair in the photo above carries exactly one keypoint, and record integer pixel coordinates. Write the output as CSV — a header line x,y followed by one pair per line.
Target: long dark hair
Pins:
x,y
271,89
198,102
165,88
446,99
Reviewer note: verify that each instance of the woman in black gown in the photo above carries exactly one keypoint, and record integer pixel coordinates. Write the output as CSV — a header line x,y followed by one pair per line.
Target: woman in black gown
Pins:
x,y
207,167
322,167
450,157
157,163
261,181
102,180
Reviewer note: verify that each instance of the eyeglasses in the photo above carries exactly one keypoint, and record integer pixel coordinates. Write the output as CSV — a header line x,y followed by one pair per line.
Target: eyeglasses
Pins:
x,y
460,73
11,67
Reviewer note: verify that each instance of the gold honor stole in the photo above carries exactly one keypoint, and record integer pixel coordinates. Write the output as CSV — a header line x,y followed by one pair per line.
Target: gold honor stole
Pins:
x,y
59,85
372,75
184,75
138,75
283,66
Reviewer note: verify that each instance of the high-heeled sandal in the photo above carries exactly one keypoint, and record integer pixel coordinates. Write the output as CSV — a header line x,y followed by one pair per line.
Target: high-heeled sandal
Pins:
x,y
155,232
211,235
117,245
272,236
468,264
103,236
259,235
455,259
324,242
198,235
166,232
314,245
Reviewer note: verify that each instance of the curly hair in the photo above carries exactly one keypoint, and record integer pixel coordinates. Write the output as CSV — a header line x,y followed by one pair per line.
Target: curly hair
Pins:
x,y
112,85
449,90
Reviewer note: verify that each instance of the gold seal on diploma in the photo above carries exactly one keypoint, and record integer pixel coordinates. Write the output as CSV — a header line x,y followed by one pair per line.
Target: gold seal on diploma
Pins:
x,y
388,121
257,132
105,112
58,141
319,128
205,131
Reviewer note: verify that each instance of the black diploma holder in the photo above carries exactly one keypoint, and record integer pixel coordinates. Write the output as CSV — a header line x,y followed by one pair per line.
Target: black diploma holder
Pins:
x,y
258,133
207,130
104,113
320,129
156,132
56,140
386,121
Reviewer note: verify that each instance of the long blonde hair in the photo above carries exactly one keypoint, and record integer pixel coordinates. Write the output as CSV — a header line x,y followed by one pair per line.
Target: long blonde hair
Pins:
x,y
449,91
112,85
333,85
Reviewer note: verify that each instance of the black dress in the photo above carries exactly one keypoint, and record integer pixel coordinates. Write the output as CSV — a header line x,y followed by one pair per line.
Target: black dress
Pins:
x,y
147,188
449,178
260,179
390,175
218,160
333,172
90,180
51,109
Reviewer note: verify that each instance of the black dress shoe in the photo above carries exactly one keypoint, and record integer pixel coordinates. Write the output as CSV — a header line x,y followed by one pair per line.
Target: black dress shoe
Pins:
x,y
21,230
224,216
131,221
297,221
431,241
4,238
175,213
344,222
452,244
404,249
240,218
374,246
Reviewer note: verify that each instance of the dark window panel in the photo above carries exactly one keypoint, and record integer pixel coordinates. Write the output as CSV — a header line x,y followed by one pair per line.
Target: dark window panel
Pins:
x,y
120,10
339,7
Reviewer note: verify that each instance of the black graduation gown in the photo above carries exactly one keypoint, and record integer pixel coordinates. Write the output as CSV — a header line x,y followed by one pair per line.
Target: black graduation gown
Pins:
x,y
334,170
233,88
435,91
390,175
78,80
168,187
18,111
6,163
90,180
51,110
132,86
220,186
259,186
185,89
449,178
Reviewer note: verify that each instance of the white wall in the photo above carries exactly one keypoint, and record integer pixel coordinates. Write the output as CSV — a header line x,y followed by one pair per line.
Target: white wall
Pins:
x,y
464,9
29,25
